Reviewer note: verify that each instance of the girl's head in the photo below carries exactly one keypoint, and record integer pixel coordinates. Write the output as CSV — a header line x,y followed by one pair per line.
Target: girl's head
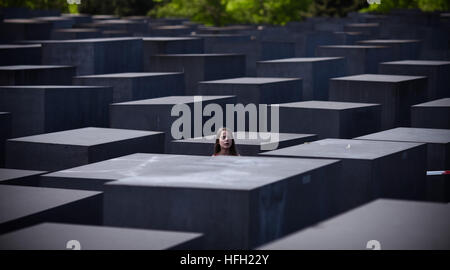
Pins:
x,y
225,142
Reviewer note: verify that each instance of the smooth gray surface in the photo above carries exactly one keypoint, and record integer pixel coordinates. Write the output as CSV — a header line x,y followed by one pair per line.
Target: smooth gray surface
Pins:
x,y
396,225
433,114
5,133
395,93
71,148
419,135
54,236
255,90
20,177
137,85
45,108
23,206
329,119
237,202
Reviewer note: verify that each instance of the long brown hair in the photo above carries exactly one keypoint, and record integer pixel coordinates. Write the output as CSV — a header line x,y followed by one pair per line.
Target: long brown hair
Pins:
x,y
217,148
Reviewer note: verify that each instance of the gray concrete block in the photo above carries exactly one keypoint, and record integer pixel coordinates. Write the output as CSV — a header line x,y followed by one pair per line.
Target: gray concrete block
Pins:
x,y
314,71
330,119
71,148
306,42
75,33
349,38
78,18
395,93
370,169
402,49
58,22
247,143
433,114
200,67
360,59
25,206
387,224
438,155
20,55
56,236
24,29
5,133
132,28
255,90
20,177
371,29
36,75
170,45
248,202
101,17
170,30
438,73
42,109
95,56
135,86
155,114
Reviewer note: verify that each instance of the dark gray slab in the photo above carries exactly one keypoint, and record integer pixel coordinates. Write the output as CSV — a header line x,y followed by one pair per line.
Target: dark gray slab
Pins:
x,y
155,114
371,169
36,75
349,38
438,154
255,90
371,29
135,86
360,59
237,202
5,133
20,177
200,67
20,55
56,236
75,33
329,119
25,206
45,108
438,73
433,114
78,18
402,49
71,148
132,28
24,29
247,143
58,22
314,71
395,93
170,30
395,225
95,56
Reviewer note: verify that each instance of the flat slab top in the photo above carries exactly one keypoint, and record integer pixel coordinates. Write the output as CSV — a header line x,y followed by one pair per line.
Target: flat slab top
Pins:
x,y
10,174
86,136
417,63
344,149
54,236
51,87
24,21
17,201
6,46
250,138
443,102
394,224
172,100
388,41
5,113
130,75
363,24
31,67
378,78
200,55
420,135
220,172
353,47
77,30
251,80
170,38
91,40
326,105
302,60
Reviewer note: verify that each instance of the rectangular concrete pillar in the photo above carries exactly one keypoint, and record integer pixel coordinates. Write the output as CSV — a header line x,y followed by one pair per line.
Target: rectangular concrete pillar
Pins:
x,y
433,114
20,177
11,55
43,109
315,73
395,93
36,75
5,133
21,207
330,119
135,86
71,148
75,33
402,49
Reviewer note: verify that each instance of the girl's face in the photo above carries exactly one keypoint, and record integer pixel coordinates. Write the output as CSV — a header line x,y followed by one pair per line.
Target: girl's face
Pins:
x,y
225,139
